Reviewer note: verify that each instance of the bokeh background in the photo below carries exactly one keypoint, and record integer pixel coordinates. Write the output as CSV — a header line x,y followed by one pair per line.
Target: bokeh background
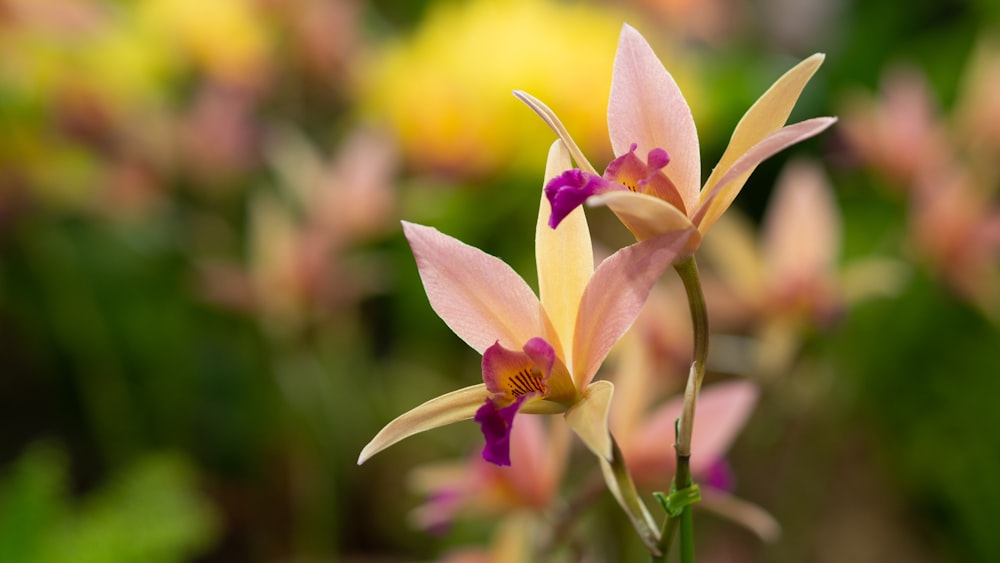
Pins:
x,y
207,306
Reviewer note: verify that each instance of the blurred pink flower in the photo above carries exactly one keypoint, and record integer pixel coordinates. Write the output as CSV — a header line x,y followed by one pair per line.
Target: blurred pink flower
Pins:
x,y
947,165
899,133
477,488
955,227
300,239
790,279
711,20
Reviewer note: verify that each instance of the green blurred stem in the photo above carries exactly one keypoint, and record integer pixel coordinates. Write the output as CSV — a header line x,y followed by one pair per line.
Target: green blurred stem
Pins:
x,y
688,272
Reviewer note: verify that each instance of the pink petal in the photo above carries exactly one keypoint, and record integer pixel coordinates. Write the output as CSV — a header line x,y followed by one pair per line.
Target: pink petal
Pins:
x,y
614,297
722,410
477,295
646,107
439,411
721,195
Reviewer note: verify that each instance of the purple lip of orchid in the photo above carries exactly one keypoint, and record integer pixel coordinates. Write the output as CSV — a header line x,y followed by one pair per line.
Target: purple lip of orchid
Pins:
x,y
496,424
570,189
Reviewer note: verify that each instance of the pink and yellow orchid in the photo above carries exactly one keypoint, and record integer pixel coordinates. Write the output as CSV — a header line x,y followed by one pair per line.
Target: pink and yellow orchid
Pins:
x,y
540,354
653,183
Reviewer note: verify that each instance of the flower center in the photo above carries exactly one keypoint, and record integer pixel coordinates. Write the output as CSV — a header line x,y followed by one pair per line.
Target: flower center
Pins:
x,y
525,381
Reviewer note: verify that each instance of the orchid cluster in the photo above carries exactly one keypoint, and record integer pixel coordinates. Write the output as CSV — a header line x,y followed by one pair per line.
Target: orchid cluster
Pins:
x,y
542,354
945,166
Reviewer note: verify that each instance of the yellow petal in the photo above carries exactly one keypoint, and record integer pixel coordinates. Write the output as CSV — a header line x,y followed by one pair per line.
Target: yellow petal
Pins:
x,y
646,216
589,418
439,411
768,114
564,256
720,195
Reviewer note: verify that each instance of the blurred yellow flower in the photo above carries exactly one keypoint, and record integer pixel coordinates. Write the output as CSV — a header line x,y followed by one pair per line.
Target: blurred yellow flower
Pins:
x,y
228,38
447,89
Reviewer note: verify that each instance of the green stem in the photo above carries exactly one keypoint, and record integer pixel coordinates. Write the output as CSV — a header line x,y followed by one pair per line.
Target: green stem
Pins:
x,y
688,272
683,481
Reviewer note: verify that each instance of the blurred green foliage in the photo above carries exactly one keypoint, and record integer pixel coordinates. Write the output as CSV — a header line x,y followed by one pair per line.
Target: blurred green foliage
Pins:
x,y
151,511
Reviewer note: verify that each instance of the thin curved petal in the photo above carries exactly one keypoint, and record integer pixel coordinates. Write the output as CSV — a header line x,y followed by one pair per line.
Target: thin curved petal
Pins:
x,y
550,119
589,418
564,256
440,411
768,114
615,296
719,197
748,514
645,216
647,108
477,295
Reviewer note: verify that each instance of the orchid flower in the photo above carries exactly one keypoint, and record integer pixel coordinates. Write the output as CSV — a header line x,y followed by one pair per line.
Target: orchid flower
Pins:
x,y
653,183
540,354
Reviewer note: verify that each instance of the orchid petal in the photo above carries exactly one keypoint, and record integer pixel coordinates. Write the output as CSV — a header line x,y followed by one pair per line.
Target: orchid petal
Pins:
x,y
569,190
477,295
496,423
646,107
645,216
550,119
589,418
440,411
614,297
802,232
564,256
719,197
723,409
765,116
